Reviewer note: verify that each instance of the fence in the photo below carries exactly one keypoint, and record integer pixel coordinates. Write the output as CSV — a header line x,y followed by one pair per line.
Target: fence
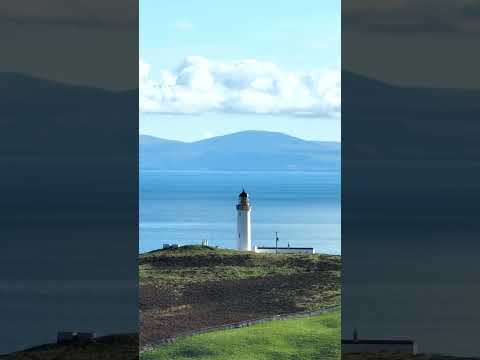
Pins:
x,y
240,324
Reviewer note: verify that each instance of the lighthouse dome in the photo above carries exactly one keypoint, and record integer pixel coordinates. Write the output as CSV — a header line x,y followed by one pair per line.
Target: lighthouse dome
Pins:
x,y
243,194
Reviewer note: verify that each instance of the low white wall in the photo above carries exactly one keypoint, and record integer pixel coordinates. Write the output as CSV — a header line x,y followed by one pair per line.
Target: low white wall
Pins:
x,y
165,341
286,250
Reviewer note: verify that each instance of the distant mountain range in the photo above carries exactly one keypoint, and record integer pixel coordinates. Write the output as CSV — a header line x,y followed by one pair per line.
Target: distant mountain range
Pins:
x,y
43,117
247,150
48,118
384,121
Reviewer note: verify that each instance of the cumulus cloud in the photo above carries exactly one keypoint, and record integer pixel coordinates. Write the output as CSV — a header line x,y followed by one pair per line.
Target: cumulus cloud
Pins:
x,y
199,85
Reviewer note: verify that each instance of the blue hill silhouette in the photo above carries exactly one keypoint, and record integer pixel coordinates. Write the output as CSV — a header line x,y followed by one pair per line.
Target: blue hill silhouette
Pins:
x,y
247,150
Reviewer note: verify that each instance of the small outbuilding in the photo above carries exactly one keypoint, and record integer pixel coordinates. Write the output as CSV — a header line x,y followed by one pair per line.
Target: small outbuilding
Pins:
x,y
86,336
170,246
357,345
65,337
70,337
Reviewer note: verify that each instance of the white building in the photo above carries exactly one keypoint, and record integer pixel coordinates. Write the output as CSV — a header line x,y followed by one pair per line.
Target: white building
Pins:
x,y
284,250
244,235
374,346
64,337
86,336
170,246
67,337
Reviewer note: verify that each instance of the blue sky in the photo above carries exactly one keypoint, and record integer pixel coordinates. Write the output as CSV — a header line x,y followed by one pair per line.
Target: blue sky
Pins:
x,y
210,68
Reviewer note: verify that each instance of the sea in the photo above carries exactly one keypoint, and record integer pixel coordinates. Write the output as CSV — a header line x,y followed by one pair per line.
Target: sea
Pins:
x,y
186,207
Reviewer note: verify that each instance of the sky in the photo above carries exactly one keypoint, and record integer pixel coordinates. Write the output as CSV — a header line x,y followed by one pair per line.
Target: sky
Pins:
x,y
208,69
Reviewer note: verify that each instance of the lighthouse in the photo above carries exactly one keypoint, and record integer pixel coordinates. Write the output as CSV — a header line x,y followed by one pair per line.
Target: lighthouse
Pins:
x,y
244,236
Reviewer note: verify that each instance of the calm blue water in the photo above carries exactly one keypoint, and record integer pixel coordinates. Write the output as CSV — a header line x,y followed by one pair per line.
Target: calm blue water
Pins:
x,y
186,207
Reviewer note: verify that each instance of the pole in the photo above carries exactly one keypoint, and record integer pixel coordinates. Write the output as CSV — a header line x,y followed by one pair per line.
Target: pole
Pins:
x,y
276,242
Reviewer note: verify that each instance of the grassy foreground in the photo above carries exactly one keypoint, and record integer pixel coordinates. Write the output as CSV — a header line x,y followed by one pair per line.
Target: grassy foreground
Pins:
x,y
315,337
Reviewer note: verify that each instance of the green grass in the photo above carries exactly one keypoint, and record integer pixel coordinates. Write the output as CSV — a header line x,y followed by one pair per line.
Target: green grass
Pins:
x,y
315,337
212,273
195,264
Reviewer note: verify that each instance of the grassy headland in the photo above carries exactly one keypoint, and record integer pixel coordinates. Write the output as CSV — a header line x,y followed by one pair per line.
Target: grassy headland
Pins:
x,y
195,287
118,347
315,337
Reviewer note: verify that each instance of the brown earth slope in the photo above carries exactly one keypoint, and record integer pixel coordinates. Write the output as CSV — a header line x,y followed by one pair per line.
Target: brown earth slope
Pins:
x,y
192,288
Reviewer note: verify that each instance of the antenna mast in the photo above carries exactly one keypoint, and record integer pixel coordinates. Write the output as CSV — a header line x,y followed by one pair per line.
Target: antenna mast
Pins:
x,y
276,242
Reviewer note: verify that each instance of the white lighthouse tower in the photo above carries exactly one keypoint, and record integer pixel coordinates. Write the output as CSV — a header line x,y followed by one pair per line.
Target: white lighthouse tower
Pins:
x,y
244,236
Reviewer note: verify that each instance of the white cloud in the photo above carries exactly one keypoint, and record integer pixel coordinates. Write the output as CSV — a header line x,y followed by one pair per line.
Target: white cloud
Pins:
x,y
208,134
200,85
